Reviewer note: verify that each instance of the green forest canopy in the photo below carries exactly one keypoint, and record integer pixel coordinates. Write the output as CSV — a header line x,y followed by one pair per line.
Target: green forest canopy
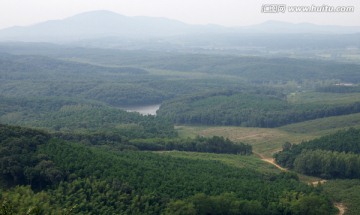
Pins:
x,y
63,176
333,156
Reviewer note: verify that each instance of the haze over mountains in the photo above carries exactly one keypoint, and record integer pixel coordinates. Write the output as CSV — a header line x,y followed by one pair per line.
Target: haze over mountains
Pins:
x,y
109,29
106,24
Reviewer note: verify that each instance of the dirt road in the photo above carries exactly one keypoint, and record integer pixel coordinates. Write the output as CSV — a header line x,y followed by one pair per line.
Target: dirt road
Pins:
x,y
341,208
270,160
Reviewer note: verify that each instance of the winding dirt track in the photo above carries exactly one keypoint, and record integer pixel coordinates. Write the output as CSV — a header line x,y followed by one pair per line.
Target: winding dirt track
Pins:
x,y
341,208
338,205
270,160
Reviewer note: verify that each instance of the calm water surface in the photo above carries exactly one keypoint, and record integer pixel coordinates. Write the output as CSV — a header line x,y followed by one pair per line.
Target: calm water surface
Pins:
x,y
144,110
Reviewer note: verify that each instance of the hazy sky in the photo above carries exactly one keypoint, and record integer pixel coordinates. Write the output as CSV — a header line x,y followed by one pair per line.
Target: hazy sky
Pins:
x,y
223,12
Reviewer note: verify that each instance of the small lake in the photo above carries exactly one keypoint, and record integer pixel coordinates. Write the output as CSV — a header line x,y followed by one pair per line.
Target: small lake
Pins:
x,y
144,109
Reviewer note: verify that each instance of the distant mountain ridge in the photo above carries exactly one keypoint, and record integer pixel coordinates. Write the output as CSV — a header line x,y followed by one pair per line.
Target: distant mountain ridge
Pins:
x,y
98,24
106,24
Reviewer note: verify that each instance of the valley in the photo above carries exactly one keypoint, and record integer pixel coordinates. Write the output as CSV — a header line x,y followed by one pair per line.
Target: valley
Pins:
x,y
158,122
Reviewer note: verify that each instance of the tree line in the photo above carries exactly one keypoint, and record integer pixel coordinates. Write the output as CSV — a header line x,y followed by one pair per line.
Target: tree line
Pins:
x,y
332,156
213,144
251,109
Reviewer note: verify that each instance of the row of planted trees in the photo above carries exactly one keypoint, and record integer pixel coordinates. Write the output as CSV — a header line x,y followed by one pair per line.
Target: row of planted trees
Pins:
x,y
331,156
328,164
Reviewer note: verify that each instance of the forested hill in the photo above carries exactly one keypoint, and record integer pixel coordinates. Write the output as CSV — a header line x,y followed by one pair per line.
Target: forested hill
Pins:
x,y
251,68
332,156
208,89
51,176
43,76
81,116
341,141
264,108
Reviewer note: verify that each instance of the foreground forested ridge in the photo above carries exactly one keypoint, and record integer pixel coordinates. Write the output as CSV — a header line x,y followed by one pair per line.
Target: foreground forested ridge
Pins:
x,y
333,156
82,179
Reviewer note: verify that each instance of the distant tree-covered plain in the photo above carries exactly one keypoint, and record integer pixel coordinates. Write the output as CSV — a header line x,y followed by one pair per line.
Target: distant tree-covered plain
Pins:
x,y
68,146
192,88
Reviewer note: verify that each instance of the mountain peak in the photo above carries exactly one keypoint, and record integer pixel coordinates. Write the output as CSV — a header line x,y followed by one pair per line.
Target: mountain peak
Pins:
x,y
96,24
97,14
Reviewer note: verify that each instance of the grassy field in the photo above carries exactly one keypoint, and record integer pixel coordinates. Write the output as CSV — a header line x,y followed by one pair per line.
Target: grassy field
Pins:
x,y
324,126
267,141
251,161
323,98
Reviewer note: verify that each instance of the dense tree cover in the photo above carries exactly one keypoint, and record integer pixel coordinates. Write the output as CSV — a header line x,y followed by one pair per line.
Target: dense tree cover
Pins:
x,y
332,156
19,162
346,191
80,196
248,109
33,76
43,76
341,141
216,96
165,181
199,144
328,164
254,69
339,89
125,94
127,77
116,141
101,181
262,70
227,203
69,115
69,97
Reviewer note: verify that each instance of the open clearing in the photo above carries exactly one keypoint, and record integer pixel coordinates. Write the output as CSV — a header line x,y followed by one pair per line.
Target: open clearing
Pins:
x,y
267,141
251,161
